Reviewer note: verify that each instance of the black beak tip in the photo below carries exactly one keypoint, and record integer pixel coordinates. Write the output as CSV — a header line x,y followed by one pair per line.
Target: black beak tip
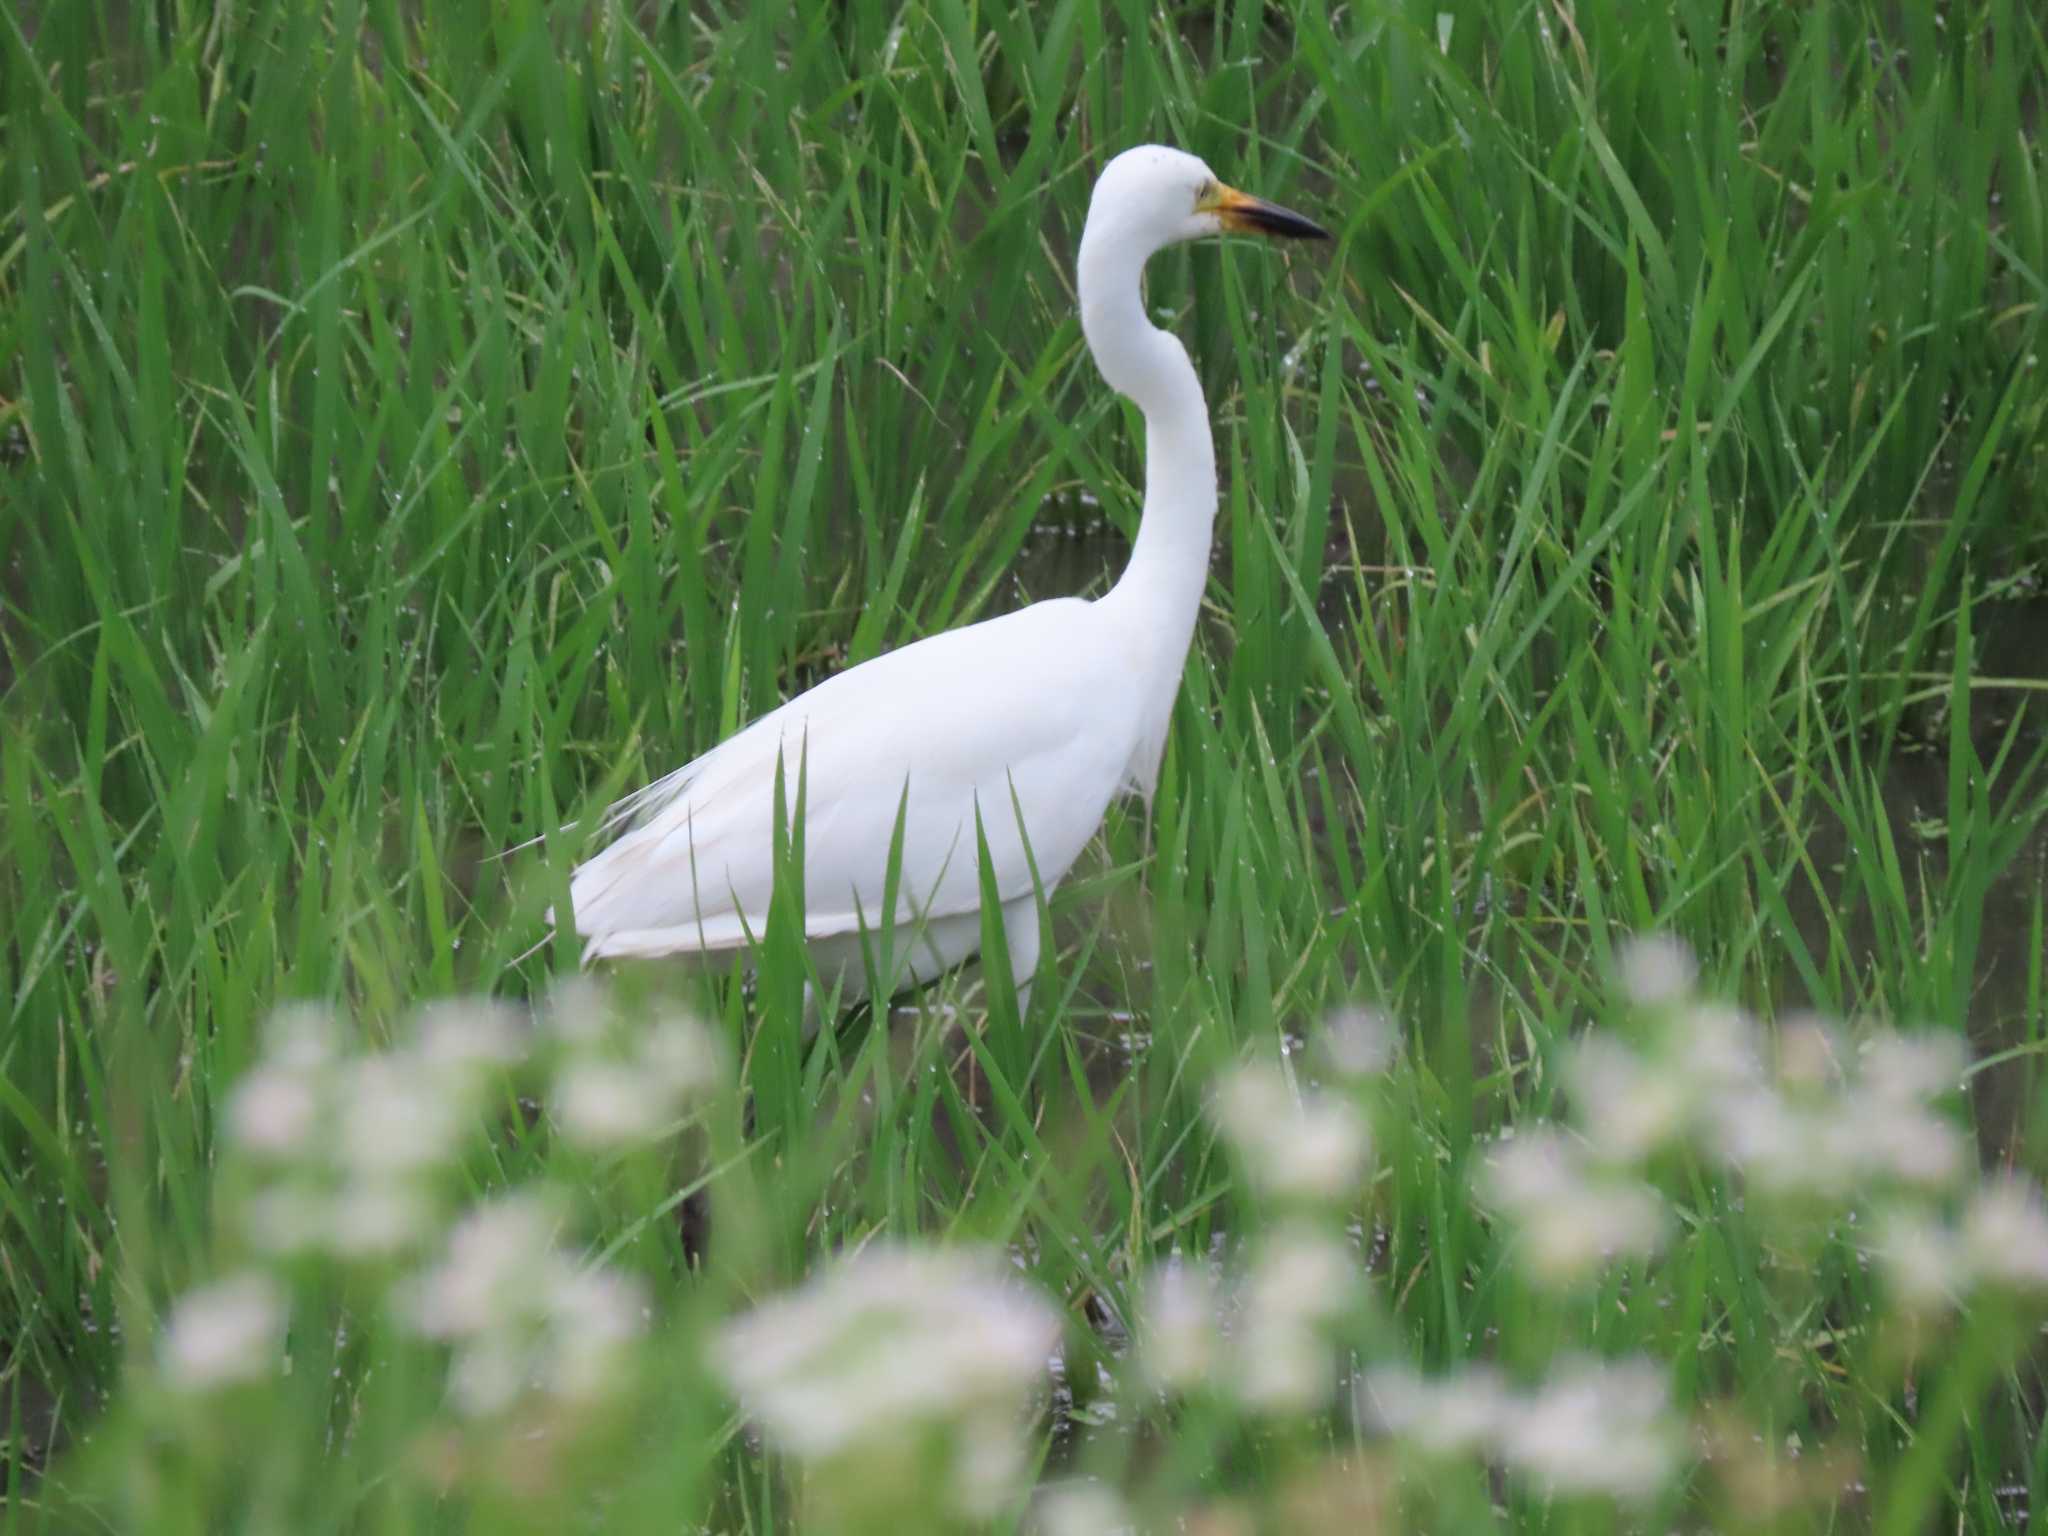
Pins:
x,y
1272,219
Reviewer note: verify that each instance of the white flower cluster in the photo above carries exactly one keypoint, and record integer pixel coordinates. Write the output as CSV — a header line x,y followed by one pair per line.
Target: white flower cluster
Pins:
x,y
1302,1282
523,1316
1809,1123
1082,1509
1836,1124
2000,1241
1308,1150
349,1152
1269,1344
351,1155
1812,1120
1305,1146
1179,1334
624,1081
1572,1214
1359,1043
225,1334
897,1354
1591,1427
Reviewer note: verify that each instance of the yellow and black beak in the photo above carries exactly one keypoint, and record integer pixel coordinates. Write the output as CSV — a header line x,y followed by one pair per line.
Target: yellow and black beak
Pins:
x,y
1243,214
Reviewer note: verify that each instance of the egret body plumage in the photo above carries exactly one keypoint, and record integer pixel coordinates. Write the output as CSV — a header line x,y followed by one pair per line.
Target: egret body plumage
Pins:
x,y
1036,719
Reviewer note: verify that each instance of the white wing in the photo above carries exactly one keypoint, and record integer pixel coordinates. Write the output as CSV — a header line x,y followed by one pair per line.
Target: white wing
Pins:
x,y
1033,703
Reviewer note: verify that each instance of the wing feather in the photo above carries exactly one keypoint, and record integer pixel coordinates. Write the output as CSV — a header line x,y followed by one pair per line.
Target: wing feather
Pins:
x,y
997,716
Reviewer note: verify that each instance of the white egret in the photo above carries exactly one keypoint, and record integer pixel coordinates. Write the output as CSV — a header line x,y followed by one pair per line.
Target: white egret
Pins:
x,y
1037,718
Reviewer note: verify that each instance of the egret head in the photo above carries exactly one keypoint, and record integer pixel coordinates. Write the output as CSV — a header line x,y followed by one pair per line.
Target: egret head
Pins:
x,y
1152,196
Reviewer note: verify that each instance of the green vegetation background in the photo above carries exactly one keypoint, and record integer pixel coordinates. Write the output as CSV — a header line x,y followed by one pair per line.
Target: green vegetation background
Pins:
x,y
420,422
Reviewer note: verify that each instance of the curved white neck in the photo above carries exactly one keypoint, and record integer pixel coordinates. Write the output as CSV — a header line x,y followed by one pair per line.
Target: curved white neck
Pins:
x,y
1161,589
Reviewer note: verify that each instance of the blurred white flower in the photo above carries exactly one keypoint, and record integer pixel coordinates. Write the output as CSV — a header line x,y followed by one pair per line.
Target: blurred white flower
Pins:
x,y
284,1220
522,1315
1756,1132
1810,1056
623,1083
1629,1108
1359,1042
1081,1509
2005,1234
488,1374
1656,970
228,1332
350,1153
2001,1240
1284,1370
1810,1147
600,1104
395,1117
1833,1125
592,1315
1907,1143
1569,1217
274,1110
1597,1427
1592,1427
566,1339
1911,1069
1179,1342
1455,1415
1898,1132
1924,1262
898,1342
1715,1049
1303,1280
372,1219
301,1035
464,1033
321,1211
1311,1147
579,1009
492,1268
681,1054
